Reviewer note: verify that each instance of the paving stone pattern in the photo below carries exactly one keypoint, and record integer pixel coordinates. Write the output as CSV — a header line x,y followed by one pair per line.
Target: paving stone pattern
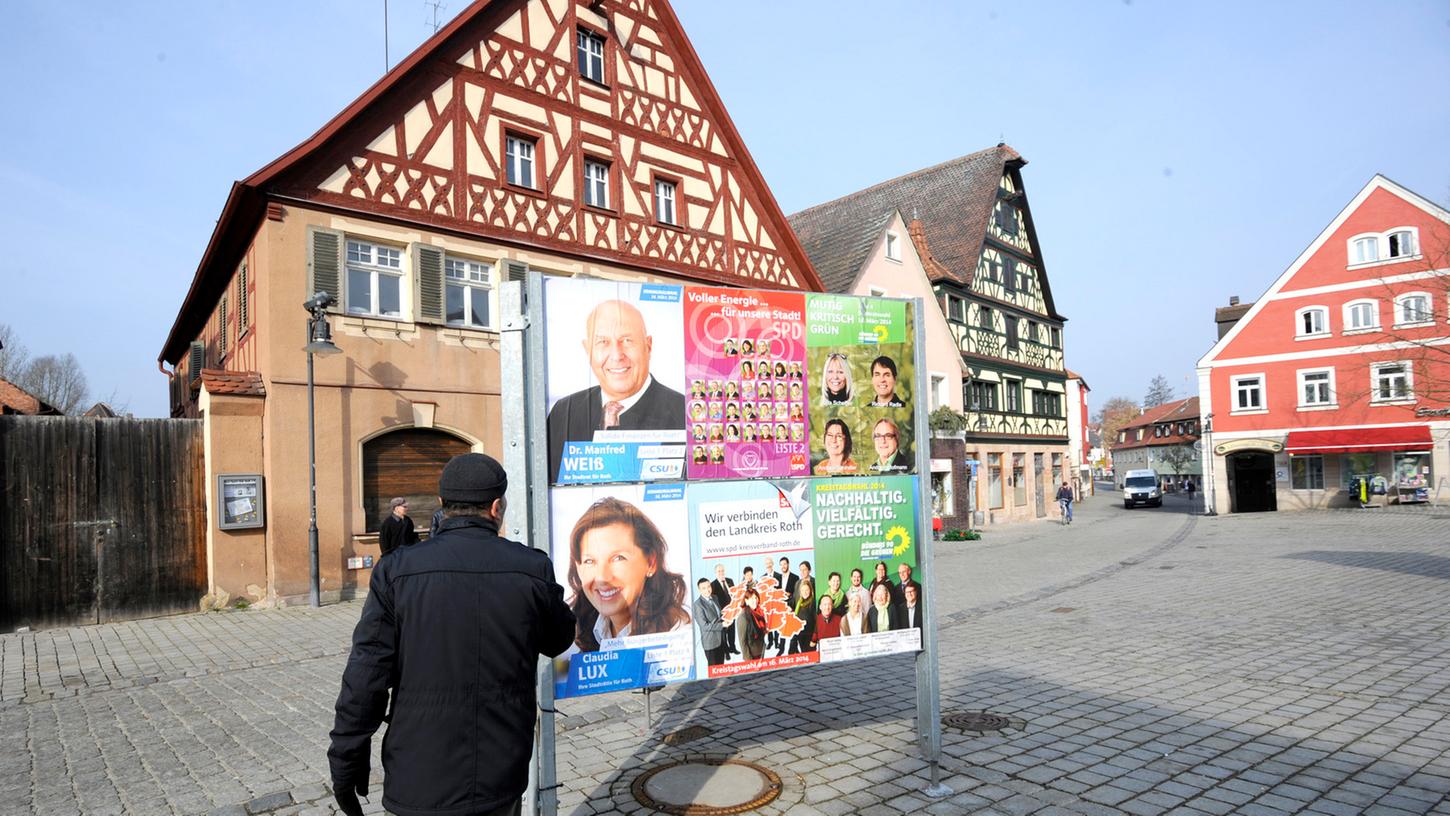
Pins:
x,y
1151,661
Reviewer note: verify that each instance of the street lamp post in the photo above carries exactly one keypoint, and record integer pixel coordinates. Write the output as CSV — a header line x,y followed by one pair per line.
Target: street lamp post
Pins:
x,y
319,341
1209,495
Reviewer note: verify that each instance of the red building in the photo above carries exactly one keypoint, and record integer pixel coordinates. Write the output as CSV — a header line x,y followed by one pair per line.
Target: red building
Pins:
x,y
1340,373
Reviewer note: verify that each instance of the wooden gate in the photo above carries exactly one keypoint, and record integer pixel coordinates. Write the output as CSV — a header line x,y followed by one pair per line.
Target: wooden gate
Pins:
x,y
100,519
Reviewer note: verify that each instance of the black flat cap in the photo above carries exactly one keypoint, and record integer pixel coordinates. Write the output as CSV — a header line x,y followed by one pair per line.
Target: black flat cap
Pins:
x,y
476,478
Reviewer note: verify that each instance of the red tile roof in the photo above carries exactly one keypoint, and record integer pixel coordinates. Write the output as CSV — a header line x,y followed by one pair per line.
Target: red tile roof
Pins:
x,y
1169,412
238,383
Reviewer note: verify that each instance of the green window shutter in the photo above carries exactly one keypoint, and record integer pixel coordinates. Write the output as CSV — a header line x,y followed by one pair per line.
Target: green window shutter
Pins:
x,y
242,300
428,283
324,264
221,327
196,361
516,270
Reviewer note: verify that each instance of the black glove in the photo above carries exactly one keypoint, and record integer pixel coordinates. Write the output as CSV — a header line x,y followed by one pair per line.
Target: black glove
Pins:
x,y
346,795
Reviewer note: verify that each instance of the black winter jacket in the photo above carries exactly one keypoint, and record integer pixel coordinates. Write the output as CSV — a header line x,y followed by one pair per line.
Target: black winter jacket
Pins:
x,y
453,627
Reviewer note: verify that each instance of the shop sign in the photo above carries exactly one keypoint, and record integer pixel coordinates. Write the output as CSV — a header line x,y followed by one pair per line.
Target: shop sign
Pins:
x,y
1432,412
1233,445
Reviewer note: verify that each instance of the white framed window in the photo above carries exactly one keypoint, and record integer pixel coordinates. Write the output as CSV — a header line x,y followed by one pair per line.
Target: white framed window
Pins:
x,y
596,183
938,391
1414,308
893,247
1364,249
519,155
665,201
1311,321
1396,243
1361,315
590,48
1247,391
1316,388
468,293
1400,243
374,279
1392,382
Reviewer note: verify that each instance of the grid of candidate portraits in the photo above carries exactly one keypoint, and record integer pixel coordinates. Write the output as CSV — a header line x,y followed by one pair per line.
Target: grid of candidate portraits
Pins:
x,y
733,488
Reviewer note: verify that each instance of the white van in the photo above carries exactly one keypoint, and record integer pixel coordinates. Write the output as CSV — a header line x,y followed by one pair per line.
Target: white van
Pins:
x,y
1141,487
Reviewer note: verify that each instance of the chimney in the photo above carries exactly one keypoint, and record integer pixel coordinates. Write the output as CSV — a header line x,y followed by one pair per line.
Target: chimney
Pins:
x,y
1233,300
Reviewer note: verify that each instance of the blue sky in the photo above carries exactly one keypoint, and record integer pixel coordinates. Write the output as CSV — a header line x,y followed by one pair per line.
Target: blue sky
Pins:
x,y
1178,154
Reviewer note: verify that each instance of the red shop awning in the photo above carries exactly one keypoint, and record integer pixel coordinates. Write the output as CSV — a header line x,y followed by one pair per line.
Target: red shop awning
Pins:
x,y
1360,440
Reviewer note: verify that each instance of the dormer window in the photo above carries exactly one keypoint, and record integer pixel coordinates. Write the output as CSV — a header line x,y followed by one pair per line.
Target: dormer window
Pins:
x,y
1311,321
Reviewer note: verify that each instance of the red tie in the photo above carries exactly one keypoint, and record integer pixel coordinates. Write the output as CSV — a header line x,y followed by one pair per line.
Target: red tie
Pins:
x,y
612,410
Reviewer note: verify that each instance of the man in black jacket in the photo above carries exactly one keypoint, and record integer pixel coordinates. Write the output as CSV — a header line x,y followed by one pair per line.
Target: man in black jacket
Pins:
x,y
453,629
396,531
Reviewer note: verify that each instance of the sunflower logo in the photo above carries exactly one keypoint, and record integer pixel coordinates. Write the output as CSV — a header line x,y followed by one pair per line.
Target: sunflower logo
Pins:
x,y
880,332
901,538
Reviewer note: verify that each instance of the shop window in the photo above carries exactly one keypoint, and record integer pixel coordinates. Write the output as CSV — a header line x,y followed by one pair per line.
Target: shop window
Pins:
x,y
1307,472
1019,479
1353,466
994,481
943,501
1412,470
407,463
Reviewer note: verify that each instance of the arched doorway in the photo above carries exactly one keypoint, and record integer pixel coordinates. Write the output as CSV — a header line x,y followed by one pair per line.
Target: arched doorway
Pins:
x,y
406,462
1251,482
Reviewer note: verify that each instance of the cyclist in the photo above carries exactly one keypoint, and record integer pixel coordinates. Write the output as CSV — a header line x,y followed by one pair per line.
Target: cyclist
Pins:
x,y
1064,500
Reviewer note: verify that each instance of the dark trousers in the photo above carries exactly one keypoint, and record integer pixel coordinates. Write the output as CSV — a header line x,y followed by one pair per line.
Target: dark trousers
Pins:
x,y
715,656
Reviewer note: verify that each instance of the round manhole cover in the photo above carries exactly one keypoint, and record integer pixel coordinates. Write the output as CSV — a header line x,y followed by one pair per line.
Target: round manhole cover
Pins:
x,y
976,721
706,787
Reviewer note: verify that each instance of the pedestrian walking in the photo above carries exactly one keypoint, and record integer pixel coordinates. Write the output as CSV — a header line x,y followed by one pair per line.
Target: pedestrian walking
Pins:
x,y
1190,487
397,528
452,632
1064,500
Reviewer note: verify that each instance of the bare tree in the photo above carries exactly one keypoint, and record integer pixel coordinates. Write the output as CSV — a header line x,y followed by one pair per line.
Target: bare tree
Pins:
x,y
1177,457
57,380
1159,392
1114,414
13,356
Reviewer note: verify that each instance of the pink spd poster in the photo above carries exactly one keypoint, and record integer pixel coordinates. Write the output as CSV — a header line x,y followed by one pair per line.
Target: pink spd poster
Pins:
x,y
745,407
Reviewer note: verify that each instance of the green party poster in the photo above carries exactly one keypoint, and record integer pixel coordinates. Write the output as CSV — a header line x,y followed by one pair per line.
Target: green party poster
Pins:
x,y
862,383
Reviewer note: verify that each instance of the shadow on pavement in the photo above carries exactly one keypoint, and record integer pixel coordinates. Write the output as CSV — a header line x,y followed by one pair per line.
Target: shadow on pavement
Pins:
x,y
1409,563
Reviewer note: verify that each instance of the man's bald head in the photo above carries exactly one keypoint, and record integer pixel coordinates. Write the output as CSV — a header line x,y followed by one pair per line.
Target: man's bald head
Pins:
x,y
618,347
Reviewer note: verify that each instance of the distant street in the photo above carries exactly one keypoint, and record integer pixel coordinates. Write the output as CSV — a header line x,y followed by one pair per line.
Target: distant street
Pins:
x,y
1145,660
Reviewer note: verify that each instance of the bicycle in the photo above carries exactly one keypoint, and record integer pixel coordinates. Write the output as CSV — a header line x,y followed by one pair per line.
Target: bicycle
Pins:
x,y
1065,505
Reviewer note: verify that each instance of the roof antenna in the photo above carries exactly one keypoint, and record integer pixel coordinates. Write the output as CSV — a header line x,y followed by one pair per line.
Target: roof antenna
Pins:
x,y
437,6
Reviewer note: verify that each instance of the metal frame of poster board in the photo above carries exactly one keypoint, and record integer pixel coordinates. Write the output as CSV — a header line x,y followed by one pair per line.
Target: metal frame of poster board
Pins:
x,y
524,371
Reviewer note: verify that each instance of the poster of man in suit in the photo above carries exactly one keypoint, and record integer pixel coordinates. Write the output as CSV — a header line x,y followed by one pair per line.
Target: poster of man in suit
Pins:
x,y
615,380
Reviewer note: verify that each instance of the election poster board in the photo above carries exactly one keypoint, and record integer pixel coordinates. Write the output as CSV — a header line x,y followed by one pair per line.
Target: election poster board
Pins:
x,y
733,467
615,381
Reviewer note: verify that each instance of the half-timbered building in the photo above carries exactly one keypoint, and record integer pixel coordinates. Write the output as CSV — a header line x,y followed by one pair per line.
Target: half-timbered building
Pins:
x,y
572,137
972,229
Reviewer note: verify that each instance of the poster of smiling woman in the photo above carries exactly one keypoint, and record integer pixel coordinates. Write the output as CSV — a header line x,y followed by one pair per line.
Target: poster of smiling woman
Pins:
x,y
615,381
860,358
623,557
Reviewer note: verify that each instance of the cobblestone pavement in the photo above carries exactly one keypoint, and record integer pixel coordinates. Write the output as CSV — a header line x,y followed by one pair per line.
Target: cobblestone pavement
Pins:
x,y
1149,661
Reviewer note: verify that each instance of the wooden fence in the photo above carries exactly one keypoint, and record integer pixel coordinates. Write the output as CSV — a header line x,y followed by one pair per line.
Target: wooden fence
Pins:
x,y
100,519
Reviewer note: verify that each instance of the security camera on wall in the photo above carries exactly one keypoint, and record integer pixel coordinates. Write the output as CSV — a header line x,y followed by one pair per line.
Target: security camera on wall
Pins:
x,y
318,302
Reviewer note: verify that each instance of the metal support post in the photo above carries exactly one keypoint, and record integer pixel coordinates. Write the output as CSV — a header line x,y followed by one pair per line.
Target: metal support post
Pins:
x,y
928,690
526,518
